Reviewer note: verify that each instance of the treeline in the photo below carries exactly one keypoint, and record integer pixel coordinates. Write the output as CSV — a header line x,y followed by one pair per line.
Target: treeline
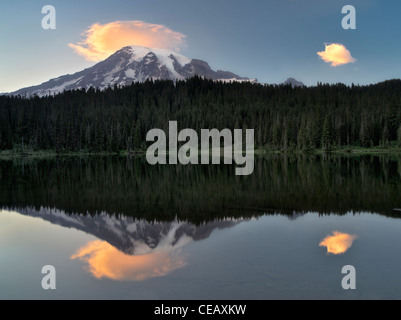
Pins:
x,y
284,118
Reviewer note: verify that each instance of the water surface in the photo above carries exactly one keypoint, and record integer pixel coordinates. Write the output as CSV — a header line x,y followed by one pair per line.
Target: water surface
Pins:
x,y
117,228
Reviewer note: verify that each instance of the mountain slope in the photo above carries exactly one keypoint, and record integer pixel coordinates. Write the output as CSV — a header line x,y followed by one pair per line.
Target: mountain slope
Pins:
x,y
131,64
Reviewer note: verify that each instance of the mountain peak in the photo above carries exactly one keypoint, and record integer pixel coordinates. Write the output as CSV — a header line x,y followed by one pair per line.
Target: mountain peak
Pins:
x,y
138,53
132,64
294,83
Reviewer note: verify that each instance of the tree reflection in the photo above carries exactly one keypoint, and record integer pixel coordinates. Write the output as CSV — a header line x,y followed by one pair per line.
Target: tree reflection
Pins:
x,y
130,186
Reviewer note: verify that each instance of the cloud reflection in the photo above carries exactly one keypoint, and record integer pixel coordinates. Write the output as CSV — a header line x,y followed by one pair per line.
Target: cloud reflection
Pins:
x,y
104,260
337,243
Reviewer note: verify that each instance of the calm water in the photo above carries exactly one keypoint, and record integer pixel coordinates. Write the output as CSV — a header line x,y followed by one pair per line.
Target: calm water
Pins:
x,y
117,228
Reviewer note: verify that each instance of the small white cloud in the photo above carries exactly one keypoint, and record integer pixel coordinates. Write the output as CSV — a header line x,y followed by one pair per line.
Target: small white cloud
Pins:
x,y
336,54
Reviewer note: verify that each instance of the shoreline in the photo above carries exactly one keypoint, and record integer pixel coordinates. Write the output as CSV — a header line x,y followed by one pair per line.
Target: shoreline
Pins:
x,y
341,151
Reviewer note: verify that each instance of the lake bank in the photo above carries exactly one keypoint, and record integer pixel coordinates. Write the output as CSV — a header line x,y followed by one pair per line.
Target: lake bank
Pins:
x,y
343,150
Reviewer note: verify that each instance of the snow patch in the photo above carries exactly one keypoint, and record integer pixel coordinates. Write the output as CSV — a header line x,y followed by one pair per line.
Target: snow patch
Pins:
x,y
130,73
63,86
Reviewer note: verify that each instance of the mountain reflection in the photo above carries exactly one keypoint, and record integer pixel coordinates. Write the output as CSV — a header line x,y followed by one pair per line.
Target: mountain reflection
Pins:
x,y
104,260
131,249
338,243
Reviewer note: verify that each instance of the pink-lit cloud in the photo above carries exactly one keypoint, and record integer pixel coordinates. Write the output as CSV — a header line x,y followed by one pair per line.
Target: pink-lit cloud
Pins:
x,y
102,40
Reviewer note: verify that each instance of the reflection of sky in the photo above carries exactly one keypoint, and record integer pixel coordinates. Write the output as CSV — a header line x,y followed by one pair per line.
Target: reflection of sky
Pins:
x,y
337,243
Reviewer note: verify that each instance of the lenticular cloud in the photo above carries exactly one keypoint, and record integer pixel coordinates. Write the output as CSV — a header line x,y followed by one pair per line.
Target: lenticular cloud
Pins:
x,y
336,54
103,40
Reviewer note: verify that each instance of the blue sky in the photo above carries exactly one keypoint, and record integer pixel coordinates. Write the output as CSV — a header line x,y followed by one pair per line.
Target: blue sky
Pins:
x,y
270,40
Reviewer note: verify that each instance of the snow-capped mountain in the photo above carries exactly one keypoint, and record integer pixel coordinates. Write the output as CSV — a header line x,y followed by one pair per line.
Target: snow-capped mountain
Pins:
x,y
132,64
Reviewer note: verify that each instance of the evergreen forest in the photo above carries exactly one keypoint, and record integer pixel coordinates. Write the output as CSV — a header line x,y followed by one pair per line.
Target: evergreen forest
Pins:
x,y
325,116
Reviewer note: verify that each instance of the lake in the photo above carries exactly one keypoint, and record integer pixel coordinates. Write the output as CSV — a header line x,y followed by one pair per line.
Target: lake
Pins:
x,y
118,228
